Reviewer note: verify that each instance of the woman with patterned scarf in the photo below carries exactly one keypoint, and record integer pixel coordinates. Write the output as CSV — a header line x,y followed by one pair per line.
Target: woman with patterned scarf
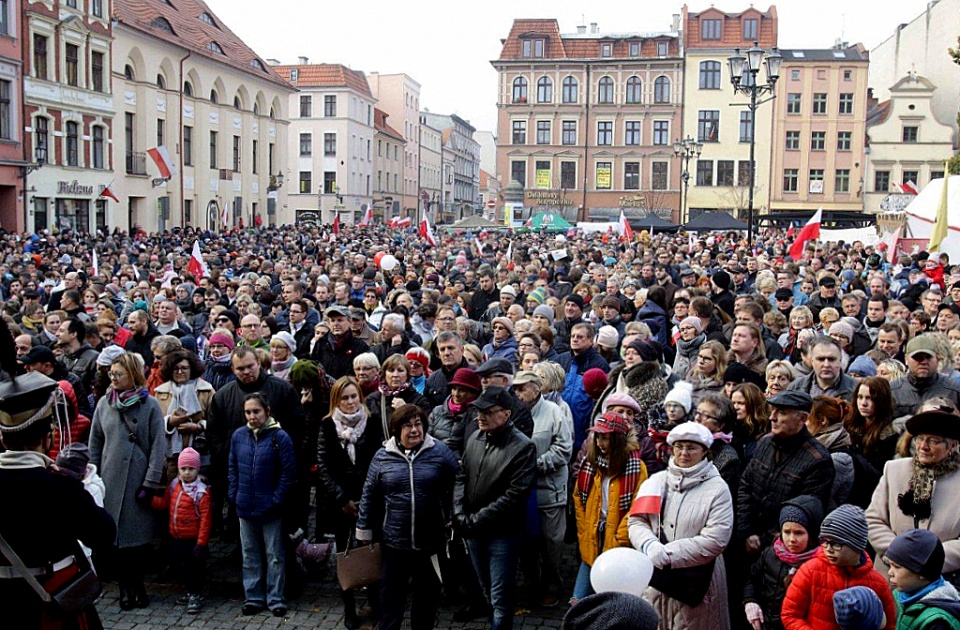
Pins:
x,y
921,492
609,474
184,399
396,390
128,445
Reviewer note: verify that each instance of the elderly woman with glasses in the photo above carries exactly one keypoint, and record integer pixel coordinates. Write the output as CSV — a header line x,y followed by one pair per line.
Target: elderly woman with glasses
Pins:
x,y
184,399
922,491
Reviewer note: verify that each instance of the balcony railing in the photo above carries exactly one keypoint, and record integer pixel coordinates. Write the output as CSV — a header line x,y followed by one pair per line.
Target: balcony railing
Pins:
x,y
136,163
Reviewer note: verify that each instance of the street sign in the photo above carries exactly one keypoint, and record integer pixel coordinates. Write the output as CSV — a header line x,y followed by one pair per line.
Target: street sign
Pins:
x,y
492,204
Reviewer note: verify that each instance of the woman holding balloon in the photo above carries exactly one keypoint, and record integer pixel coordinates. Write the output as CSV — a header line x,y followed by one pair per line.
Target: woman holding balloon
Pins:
x,y
682,520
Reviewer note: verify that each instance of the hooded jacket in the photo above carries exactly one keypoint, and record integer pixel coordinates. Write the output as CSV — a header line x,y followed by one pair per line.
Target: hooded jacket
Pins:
x,y
261,471
939,609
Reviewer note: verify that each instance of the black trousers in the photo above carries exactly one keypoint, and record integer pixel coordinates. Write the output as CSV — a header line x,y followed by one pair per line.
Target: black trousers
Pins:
x,y
191,570
402,571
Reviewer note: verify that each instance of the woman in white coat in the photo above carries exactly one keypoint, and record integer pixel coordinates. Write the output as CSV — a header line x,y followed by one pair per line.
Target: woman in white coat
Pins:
x,y
683,517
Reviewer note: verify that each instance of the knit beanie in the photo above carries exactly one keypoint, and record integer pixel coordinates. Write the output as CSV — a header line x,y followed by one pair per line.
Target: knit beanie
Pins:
x,y
848,525
918,550
304,373
188,458
611,611
538,295
805,510
721,279
682,395
421,356
843,329
505,321
692,321
287,339
608,337
857,608
863,366
577,299
738,373
545,311
108,355
594,382
222,338
73,460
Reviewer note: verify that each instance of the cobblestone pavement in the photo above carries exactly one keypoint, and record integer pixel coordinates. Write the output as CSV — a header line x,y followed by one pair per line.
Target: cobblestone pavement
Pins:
x,y
319,607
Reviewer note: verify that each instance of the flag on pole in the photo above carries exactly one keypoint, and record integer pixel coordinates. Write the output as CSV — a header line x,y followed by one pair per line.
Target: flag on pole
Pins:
x,y
136,272
224,216
510,264
109,193
161,157
336,224
810,232
792,229
196,266
426,232
96,264
367,217
940,227
625,230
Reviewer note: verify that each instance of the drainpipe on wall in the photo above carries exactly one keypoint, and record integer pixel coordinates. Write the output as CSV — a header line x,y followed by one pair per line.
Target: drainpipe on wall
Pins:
x,y
180,148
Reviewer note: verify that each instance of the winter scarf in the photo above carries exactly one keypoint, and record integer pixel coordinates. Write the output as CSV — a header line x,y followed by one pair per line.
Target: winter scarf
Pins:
x,y
454,408
129,399
390,393
194,489
788,557
723,437
629,479
20,460
689,348
906,599
350,427
185,397
281,369
916,500
419,382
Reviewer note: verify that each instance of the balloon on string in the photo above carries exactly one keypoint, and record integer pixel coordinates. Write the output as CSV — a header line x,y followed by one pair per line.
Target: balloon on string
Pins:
x,y
621,570
378,257
388,262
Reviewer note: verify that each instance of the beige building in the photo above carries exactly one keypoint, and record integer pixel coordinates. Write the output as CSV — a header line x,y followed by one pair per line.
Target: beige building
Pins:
x,y
920,47
819,129
185,82
431,169
388,163
719,118
906,143
399,96
331,133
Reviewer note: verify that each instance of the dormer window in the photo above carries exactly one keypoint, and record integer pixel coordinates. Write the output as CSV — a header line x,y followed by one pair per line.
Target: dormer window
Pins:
x,y
606,49
257,65
163,24
294,75
750,29
663,49
533,48
634,49
215,47
206,18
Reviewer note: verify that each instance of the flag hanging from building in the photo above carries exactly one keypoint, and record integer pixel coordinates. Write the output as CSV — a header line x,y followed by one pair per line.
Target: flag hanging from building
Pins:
x,y
426,232
810,232
161,157
109,193
940,227
196,266
625,230
96,264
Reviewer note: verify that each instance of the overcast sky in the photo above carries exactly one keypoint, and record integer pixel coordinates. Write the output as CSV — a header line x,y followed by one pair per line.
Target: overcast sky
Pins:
x,y
447,45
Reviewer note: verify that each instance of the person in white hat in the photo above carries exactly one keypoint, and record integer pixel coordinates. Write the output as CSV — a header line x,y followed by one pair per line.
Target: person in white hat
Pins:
x,y
683,517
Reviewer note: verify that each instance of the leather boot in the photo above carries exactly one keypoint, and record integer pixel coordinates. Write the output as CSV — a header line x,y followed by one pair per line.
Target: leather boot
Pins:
x,y
126,597
350,620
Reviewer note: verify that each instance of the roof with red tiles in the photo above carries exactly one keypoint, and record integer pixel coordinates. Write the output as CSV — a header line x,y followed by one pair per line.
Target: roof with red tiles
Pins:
x,y
381,125
579,46
190,24
326,75
878,113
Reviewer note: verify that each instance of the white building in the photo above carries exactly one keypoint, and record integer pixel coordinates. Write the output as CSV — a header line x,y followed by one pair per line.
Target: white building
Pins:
x,y
185,82
388,162
399,96
431,169
332,133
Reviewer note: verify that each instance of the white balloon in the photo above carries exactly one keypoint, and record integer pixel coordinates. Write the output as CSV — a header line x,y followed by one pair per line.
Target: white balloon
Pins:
x,y
388,262
621,570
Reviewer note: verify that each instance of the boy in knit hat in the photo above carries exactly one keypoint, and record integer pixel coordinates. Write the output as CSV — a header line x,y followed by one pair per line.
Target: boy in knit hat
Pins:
x,y
924,599
190,517
858,608
840,563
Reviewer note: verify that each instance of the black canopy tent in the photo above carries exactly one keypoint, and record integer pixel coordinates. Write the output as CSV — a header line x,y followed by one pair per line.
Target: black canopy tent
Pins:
x,y
714,222
651,221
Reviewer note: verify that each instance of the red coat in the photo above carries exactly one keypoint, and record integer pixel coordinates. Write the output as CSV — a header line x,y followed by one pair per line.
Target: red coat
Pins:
x,y
79,425
188,520
809,601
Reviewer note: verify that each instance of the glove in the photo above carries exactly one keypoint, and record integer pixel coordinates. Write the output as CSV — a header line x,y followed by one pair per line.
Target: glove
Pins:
x,y
144,496
657,553
754,614
463,523
201,551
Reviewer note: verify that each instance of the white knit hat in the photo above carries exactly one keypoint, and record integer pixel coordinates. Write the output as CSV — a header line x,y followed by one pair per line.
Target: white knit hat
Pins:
x,y
690,432
682,395
608,337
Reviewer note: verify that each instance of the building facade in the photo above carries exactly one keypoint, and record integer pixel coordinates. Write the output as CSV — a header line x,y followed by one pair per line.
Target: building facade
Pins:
x,y
69,110
388,164
819,130
464,153
332,135
399,96
920,47
431,170
12,158
184,82
586,121
906,144
719,118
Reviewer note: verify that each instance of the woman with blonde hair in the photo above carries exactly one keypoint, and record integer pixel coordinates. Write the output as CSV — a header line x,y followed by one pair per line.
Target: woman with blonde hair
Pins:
x,y
801,318
779,376
706,373
473,355
825,423
554,380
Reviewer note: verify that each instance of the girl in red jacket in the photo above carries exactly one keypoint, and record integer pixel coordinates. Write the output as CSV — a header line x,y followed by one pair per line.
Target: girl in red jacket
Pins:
x,y
188,499
839,564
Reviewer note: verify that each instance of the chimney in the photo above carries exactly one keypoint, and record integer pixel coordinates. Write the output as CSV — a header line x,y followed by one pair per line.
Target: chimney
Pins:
x,y
304,61
675,26
274,62
593,28
582,29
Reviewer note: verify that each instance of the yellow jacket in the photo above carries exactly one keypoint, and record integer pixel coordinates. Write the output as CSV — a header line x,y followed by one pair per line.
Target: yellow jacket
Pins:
x,y
588,518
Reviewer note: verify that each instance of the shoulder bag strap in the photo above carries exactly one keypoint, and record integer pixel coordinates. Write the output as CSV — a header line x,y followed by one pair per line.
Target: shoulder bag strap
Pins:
x,y
133,434
25,573
384,420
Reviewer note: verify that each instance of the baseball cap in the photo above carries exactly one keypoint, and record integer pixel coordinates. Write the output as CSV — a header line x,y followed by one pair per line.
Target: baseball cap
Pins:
x,y
922,344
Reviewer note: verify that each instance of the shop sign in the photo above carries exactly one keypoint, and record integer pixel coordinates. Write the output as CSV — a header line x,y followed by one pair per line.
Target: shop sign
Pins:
x,y
74,189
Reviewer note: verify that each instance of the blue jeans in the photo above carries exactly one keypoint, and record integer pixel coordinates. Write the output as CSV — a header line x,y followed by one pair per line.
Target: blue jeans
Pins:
x,y
262,543
582,587
495,560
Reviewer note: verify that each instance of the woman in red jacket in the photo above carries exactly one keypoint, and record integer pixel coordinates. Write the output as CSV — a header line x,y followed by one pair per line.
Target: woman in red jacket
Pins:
x,y
839,564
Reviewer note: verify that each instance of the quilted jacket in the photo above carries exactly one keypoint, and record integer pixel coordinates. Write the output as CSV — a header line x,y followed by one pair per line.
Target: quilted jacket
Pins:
x,y
261,471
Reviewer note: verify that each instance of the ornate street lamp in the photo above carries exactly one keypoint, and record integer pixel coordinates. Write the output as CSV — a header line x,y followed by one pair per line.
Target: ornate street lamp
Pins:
x,y
686,149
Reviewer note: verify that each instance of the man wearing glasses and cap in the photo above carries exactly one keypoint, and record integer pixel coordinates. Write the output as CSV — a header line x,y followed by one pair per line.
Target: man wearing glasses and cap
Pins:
x,y
922,380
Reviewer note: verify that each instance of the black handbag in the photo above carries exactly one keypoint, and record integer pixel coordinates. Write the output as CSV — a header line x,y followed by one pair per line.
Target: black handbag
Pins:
x,y
688,585
72,597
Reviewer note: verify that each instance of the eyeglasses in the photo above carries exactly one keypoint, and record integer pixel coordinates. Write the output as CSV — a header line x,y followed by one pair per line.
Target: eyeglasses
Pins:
x,y
116,376
500,327
700,414
832,545
181,368
678,448
929,441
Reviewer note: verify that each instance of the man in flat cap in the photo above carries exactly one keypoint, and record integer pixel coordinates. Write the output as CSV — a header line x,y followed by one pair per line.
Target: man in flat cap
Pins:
x,y
787,462
923,379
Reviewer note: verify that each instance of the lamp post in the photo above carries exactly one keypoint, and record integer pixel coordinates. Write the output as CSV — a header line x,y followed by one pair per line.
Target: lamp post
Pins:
x,y
743,76
686,149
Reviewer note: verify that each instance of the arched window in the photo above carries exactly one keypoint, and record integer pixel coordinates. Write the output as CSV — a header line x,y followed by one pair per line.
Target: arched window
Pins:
x,y
519,90
236,103
605,90
213,97
634,90
161,82
273,114
709,75
256,109
544,90
188,88
163,24
128,73
661,90
570,90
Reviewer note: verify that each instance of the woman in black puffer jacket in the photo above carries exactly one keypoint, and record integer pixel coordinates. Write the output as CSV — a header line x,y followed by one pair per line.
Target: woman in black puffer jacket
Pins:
x,y
448,420
406,504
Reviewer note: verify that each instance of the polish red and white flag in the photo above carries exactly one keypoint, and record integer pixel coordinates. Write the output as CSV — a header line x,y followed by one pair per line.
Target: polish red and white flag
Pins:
x,y
367,217
400,222
196,266
161,157
336,224
810,232
109,193
426,232
625,230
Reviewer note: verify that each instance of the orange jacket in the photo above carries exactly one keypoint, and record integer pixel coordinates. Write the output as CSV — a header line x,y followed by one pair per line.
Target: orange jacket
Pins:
x,y
809,601
188,519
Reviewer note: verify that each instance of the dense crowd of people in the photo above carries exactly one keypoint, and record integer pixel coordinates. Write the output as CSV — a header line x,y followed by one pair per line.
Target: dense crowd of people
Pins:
x,y
779,438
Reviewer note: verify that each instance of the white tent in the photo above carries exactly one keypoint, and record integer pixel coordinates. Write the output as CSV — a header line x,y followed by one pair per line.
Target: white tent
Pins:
x,y
922,215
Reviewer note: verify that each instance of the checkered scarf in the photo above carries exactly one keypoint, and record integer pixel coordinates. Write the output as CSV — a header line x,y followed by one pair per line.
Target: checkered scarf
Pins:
x,y
629,479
